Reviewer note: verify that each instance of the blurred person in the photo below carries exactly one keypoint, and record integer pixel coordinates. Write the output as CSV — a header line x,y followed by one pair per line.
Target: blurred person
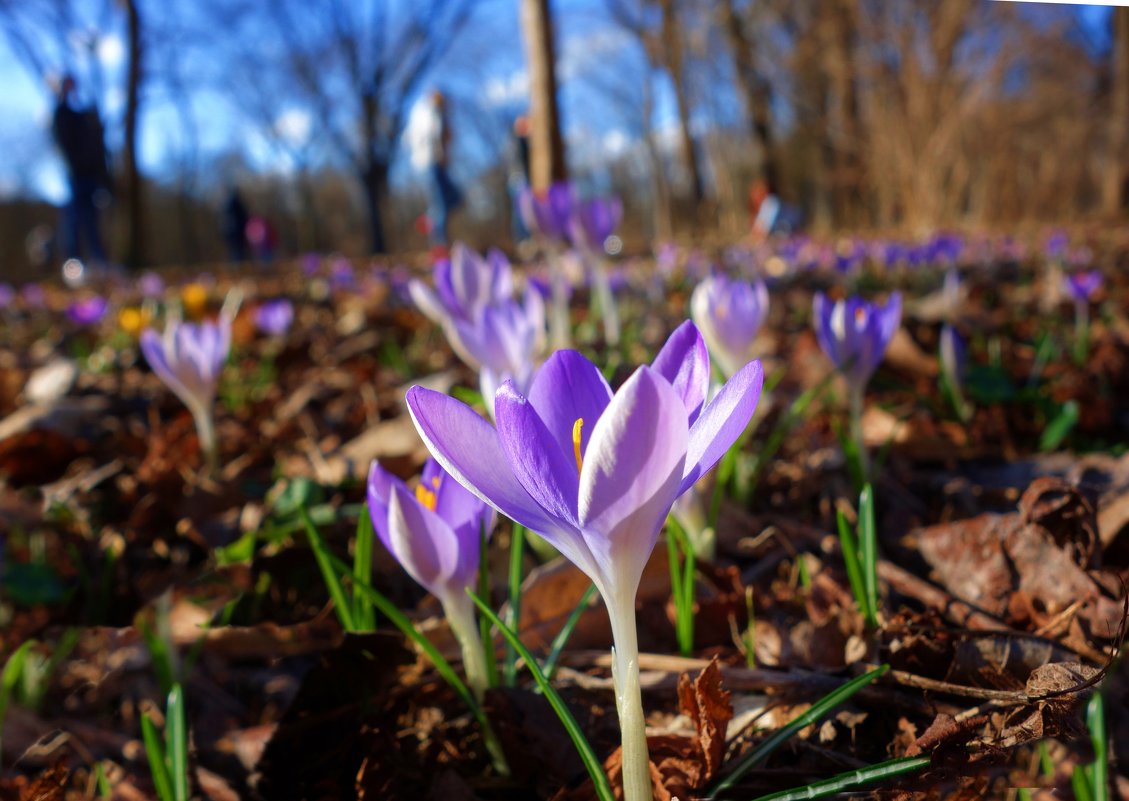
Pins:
x,y
519,175
769,214
262,236
234,225
78,132
445,196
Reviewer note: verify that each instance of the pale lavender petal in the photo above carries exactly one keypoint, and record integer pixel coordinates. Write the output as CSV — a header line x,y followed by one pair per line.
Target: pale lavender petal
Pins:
x,y
684,361
549,475
423,544
469,449
722,422
631,475
568,388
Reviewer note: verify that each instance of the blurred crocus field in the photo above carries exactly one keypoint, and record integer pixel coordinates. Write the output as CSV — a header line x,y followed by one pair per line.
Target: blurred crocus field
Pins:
x,y
574,400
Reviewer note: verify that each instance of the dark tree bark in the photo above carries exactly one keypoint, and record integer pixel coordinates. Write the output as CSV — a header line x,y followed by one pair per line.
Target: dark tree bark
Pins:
x,y
134,204
1116,172
546,145
756,91
672,45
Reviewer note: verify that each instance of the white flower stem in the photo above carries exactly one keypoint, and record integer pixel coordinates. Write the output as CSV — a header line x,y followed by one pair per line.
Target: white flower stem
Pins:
x,y
206,432
629,701
857,394
607,300
559,329
460,616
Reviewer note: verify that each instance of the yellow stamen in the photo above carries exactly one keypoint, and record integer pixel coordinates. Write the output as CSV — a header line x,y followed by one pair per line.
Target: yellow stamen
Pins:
x,y
426,496
577,427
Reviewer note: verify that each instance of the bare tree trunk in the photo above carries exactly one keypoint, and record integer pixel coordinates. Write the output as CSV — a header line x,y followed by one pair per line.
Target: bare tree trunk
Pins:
x,y
1114,175
374,179
134,252
546,145
758,96
673,53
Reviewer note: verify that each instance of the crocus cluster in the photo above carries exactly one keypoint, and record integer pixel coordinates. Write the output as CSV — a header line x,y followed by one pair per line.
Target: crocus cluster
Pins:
x,y
595,473
188,358
729,313
855,334
435,533
490,331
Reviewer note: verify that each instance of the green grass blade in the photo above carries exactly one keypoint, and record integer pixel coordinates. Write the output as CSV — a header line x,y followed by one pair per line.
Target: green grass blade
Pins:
x,y
682,584
513,619
1099,771
550,666
485,630
10,677
868,549
817,711
176,743
850,550
583,747
1080,784
341,603
852,779
101,782
442,666
363,613
156,754
1058,429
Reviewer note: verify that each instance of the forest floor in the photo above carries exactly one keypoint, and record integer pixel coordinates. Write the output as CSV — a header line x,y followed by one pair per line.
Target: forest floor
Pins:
x,y
1003,551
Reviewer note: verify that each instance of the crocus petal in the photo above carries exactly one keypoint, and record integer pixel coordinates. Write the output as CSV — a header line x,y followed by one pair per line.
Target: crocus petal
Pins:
x,y
153,348
684,361
540,465
469,449
427,302
631,476
568,388
421,541
722,422
379,495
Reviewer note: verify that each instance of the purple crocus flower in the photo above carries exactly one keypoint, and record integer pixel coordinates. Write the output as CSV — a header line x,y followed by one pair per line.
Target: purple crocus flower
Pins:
x,y
435,534
547,214
88,311
729,314
1056,244
504,343
189,359
596,473
150,285
274,317
1083,285
465,284
855,334
7,295
593,221
954,363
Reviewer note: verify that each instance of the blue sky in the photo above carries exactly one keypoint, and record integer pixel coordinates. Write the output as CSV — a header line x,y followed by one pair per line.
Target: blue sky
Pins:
x,y
597,62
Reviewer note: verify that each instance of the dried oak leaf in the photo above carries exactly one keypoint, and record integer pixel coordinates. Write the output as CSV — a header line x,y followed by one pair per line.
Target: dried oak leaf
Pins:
x,y
50,785
679,765
708,705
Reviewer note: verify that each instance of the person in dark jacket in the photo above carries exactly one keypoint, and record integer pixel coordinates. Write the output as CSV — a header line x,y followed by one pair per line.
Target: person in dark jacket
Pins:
x,y
78,133
235,219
